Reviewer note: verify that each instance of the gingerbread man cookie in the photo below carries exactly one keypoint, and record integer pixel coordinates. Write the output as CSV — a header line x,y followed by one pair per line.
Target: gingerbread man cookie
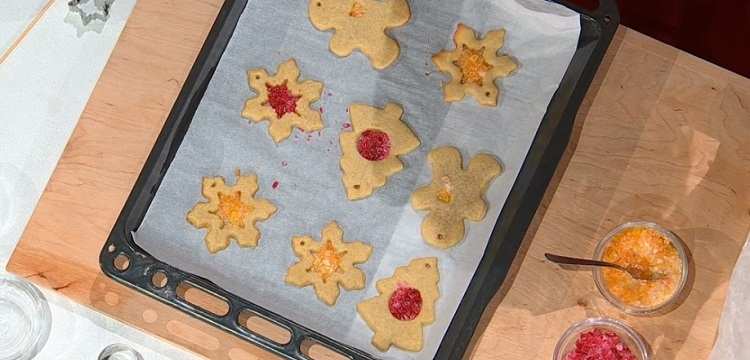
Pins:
x,y
361,25
369,153
327,263
474,66
283,100
231,212
405,304
455,194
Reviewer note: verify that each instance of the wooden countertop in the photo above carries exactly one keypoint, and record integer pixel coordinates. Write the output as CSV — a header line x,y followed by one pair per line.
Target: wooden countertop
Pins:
x,y
661,136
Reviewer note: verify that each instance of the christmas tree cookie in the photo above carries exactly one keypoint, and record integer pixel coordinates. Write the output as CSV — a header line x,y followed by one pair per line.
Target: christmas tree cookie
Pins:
x,y
405,304
369,153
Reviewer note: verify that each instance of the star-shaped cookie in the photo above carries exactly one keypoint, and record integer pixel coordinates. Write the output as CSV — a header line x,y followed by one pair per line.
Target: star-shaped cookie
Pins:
x,y
405,304
361,25
455,194
327,263
231,212
474,65
369,153
283,100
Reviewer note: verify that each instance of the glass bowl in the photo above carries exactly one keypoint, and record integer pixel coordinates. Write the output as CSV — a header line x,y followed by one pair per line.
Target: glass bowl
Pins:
x,y
629,337
25,312
663,307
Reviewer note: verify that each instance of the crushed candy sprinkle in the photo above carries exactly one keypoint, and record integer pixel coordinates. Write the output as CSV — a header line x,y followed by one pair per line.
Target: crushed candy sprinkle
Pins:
x,y
281,99
599,344
405,303
374,145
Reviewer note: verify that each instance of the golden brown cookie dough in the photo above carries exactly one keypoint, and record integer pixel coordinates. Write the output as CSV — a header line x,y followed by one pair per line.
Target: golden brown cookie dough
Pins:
x,y
369,153
231,212
474,65
405,304
327,263
361,25
283,100
455,194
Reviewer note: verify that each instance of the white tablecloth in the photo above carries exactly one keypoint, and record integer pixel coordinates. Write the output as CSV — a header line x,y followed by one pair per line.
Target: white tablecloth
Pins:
x,y
44,86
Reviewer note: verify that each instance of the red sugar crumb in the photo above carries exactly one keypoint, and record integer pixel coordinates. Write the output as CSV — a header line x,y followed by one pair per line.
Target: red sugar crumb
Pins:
x,y
600,344
347,125
405,303
284,163
374,145
275,184
321,109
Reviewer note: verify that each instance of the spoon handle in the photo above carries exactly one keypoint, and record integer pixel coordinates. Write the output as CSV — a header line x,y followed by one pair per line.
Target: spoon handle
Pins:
x,y
577,261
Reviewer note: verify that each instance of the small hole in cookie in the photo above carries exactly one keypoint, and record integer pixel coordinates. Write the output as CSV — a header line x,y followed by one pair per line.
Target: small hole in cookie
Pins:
x,y
302,243
427,266
319,4
440,236
213,184
487,94
356,187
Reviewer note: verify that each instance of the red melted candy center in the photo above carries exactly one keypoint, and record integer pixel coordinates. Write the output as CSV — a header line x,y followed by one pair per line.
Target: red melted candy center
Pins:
x,y
405,303
374,145
281,99
600,344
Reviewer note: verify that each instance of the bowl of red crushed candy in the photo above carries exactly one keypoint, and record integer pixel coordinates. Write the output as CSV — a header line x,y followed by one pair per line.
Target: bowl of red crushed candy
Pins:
x,y
601,339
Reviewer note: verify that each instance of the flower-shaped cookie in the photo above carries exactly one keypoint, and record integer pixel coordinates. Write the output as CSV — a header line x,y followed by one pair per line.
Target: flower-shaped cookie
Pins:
x,y
283,100
405,304
361,24
231,212
455,194
369,153
327,263
474,65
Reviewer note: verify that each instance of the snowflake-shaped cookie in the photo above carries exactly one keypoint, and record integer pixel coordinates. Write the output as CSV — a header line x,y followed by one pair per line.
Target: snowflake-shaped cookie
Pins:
x,y
231,212
405,304
283,100
455,194
361,25
369,153
327,263
474,65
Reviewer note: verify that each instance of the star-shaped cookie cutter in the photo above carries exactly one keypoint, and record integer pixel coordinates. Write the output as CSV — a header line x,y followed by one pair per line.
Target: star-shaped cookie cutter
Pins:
x,y
102,10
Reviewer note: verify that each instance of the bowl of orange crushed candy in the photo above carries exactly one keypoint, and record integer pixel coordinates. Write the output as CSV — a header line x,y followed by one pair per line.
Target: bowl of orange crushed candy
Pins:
x,y
654,251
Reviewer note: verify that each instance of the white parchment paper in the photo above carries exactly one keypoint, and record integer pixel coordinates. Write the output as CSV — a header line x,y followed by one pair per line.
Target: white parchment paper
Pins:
x,y
310,193
732,342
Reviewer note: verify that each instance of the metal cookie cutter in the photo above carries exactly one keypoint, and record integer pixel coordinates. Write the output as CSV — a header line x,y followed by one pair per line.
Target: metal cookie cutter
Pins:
x,y
88,12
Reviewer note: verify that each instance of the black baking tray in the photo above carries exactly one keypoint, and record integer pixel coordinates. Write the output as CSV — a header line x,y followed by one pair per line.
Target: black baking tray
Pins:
x,y
597,29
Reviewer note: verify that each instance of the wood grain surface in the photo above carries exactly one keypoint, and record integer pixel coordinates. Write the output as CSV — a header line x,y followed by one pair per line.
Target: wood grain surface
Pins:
x,y
661,136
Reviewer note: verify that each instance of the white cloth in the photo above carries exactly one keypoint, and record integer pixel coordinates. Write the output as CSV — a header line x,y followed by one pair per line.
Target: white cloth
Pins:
x,y
733,341
44,86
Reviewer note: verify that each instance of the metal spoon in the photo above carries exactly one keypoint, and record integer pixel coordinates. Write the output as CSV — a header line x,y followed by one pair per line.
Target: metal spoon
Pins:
x,y
634,271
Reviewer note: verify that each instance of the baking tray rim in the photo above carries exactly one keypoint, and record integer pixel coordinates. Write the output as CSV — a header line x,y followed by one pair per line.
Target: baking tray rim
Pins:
x,y
597,30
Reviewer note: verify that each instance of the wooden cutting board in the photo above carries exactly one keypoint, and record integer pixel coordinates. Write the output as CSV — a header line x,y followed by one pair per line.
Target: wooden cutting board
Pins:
x,y
661,135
